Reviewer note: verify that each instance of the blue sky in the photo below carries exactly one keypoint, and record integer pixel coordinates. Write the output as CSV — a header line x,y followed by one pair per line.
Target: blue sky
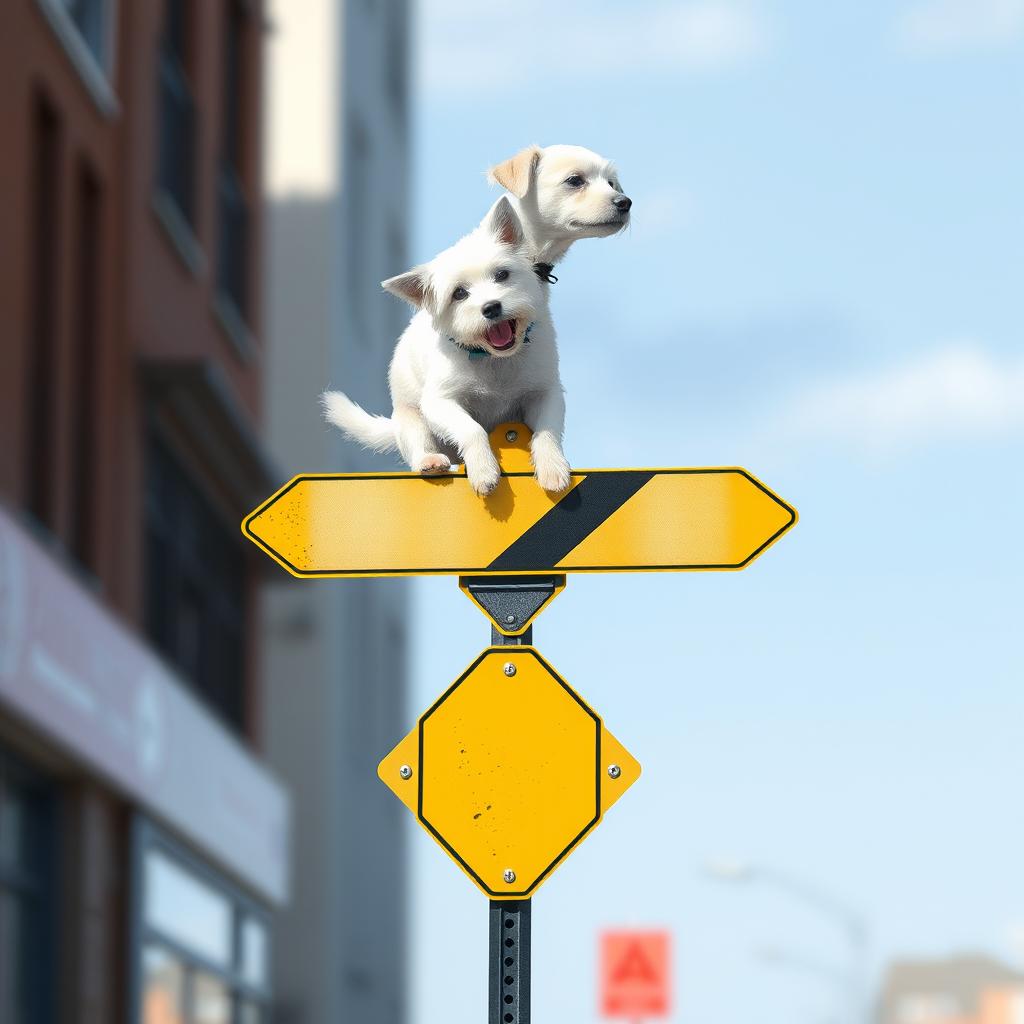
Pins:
x,y
822,283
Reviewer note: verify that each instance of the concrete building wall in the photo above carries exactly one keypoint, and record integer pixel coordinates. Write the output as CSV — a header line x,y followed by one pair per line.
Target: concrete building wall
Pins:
x,y
335,660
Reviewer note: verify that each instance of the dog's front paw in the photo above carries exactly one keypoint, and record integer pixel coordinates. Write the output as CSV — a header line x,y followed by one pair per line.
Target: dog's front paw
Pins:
x,y
432,464
483,477
552,471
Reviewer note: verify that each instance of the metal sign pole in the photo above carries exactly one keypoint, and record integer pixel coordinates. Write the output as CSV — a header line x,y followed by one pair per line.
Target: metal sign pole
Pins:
x,y
510,602
509,989
512,553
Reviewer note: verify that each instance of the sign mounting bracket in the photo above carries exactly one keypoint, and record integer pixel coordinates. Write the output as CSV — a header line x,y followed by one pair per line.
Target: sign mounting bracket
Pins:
x,y
512,602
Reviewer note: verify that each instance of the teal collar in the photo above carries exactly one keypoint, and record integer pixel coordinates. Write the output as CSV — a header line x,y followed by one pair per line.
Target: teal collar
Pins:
x,y
482,353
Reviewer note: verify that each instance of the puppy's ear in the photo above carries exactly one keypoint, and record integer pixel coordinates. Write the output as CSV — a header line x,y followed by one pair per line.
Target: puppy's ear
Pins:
x,y
413,286
503,223
516,174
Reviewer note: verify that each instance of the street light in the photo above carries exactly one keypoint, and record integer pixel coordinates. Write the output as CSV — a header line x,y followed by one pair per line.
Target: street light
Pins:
x,y
849,922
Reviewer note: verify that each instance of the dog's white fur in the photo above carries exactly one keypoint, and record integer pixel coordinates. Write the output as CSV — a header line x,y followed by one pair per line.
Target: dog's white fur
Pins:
x,y
562,194
445,403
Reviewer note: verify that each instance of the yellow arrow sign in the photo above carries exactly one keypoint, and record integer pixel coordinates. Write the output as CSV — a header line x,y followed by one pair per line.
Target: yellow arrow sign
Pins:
x,y
609,520
509,771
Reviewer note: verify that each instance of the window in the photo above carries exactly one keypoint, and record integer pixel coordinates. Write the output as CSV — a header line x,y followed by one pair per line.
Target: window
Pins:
x,y
85,375
90,18
396,60
194,585
85,29
203,958
358,263
233,210
177,113
40,393
26,879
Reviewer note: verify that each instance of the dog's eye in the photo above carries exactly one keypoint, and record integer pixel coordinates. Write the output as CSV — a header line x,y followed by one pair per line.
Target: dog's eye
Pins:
x,y
614,185
501,275
459,294
575,181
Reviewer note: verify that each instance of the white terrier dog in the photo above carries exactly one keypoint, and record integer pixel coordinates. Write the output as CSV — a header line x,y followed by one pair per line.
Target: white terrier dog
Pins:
x,y
562,194
480,351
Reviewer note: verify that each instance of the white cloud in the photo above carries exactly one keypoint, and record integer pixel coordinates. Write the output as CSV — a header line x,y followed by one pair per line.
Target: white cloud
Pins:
x,y
957,392
943,26
468,45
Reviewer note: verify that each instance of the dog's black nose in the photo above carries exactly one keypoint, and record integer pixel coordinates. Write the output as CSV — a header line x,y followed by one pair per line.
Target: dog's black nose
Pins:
x,y
491,310
622,203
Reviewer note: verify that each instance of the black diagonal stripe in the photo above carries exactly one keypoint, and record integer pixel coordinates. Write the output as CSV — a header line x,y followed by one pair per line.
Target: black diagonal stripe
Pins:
x,y
571,521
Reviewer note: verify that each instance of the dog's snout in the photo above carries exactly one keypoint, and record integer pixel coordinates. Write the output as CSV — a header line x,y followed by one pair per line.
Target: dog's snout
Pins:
x,y
622,203
491,310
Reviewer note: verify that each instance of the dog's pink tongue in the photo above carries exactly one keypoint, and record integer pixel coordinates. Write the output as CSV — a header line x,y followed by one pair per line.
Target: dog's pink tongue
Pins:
x,y
500,335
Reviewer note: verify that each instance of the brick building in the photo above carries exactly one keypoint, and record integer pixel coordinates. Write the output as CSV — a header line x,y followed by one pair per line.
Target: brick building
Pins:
x,y
143,841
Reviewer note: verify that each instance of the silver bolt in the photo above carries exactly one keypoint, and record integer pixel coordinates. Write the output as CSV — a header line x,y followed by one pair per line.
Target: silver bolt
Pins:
x,y
614,771
510,618
509,875
511,435
405,771
510,669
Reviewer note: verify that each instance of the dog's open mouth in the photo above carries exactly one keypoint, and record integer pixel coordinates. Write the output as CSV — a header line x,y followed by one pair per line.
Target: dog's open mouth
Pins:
x,y
502,335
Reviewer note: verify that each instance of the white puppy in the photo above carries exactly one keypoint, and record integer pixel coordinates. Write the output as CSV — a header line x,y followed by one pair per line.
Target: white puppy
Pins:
x,y
480,351
562,194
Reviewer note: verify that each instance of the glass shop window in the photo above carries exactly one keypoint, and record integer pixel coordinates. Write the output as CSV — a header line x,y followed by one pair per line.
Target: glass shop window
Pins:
x,y
26,895
204,945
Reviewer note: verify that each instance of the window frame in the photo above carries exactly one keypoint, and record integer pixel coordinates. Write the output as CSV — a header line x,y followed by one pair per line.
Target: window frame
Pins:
x,y
149,837
97,71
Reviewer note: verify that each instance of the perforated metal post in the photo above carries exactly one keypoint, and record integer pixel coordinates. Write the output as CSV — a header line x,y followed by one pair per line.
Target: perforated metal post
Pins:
x,y
509,990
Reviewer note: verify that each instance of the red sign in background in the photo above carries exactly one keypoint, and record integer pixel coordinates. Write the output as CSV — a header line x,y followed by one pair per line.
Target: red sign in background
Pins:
x,y
635,974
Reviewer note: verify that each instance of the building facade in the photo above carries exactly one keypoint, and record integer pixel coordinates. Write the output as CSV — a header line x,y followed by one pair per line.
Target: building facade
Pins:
x,y
964,989
338,165
143,839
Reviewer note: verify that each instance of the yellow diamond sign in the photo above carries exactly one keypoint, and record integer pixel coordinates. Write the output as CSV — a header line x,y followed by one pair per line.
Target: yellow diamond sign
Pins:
x,y
509,771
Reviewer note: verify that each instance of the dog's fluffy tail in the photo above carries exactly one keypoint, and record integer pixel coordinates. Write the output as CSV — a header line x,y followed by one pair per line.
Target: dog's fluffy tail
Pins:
x,y
376,432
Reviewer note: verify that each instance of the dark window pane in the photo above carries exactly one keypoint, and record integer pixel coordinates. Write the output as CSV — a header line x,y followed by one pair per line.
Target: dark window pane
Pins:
x,y
176,29
45,248
195,586
233,209
233,227
12,828
396,60
234,35
177,112
358,268
177,121
13,1002
26,883
85,374
90,19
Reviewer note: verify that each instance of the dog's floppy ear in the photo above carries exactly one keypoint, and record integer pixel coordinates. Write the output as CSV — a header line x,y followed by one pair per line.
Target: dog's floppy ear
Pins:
x,y
503,223
412,286
516,174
